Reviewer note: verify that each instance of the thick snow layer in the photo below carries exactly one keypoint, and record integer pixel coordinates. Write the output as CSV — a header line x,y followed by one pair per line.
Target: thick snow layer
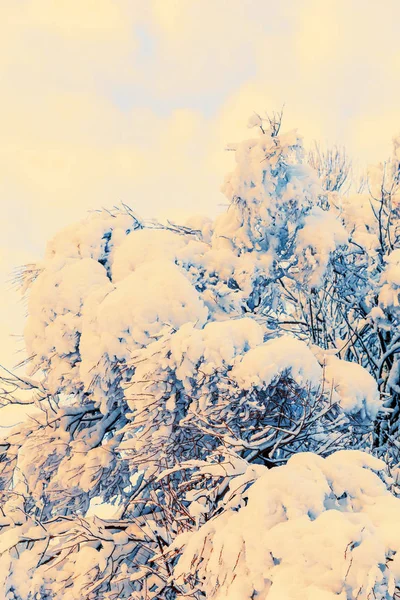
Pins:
x,y
357,389
389,295
155,299
216,345
312,529
261,365
360,220
55,309
321,235
145,245
202,224
94,237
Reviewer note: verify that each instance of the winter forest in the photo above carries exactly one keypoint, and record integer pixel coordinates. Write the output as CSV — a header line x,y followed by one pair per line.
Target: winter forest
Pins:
x,y
219,401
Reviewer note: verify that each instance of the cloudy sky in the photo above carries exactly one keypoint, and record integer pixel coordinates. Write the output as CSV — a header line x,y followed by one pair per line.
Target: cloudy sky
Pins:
x,y
134,100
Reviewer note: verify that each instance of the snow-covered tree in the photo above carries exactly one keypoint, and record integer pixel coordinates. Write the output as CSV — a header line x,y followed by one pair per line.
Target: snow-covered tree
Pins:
x,y
355,311
178,368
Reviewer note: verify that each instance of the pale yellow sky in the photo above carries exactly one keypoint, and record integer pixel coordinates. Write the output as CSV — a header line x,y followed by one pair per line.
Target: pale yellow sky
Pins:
x,y
134,100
